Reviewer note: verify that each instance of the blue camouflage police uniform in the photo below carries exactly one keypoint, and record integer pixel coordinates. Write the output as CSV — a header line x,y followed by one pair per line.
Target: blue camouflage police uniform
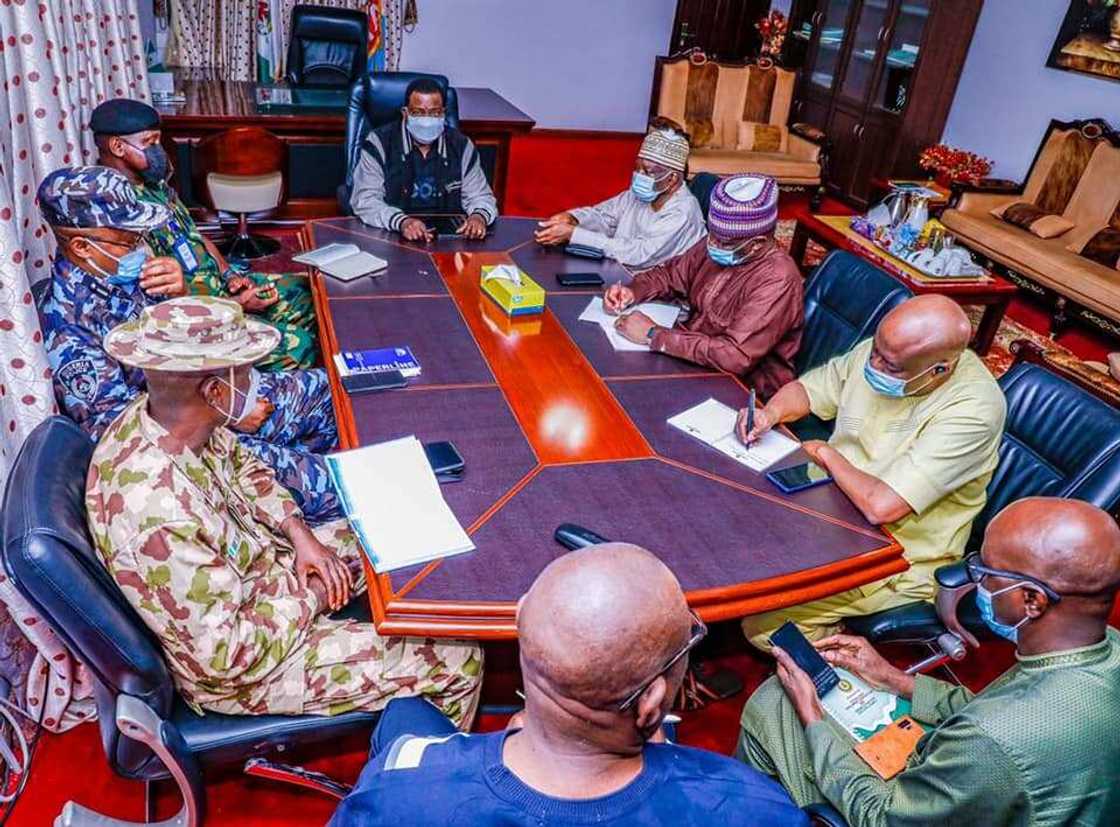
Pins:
x,y
79,308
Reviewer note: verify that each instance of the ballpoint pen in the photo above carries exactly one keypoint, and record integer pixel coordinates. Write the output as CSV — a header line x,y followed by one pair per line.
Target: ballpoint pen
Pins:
x,y
750,417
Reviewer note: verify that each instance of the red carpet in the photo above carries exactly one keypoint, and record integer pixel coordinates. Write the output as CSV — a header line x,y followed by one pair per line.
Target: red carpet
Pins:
x,y
549,172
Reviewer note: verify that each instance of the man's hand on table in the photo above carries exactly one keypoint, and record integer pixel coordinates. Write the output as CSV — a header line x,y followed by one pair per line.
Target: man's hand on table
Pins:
x,y
817,450
636,327
861,659
313,559
555,230
413,229
252,298
473,228
617,298
763,422
799,689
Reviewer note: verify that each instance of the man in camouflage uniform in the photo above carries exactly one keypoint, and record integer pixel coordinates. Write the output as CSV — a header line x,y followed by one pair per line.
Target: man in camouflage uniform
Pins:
x,y
98,220
127,133
216,557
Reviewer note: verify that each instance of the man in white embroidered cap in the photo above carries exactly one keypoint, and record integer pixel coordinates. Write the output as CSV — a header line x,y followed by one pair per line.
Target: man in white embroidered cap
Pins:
x,y
215,555
652,221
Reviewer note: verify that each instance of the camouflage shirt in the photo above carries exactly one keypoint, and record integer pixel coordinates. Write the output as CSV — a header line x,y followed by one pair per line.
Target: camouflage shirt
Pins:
x,y
206,278
194,541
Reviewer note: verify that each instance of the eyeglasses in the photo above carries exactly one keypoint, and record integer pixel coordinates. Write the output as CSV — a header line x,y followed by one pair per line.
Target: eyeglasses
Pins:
x,y
695,635
977,571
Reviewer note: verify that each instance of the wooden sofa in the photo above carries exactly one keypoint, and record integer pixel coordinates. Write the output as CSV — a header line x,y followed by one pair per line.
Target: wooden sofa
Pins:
x,y
1057,234
737,116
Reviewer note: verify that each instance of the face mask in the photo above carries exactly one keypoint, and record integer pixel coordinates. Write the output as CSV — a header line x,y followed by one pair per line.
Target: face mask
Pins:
x,y
988,613
889,385
644,186
424,128
128,266
248,398
158,167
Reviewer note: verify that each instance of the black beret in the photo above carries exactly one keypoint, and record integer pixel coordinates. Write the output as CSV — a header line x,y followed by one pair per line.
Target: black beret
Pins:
x,y
123,116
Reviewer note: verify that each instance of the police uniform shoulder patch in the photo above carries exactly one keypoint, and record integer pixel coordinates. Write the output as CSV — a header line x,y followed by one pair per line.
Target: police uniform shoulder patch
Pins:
x,y
78,379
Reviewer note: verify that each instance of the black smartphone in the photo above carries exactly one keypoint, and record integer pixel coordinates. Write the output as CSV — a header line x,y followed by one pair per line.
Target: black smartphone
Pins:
x,y
799,477
446,461
584,251
798,647
385,380
579,279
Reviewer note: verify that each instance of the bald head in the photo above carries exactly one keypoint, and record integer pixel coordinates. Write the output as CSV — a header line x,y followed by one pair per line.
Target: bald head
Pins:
x,y
921,332
1070,545
599,621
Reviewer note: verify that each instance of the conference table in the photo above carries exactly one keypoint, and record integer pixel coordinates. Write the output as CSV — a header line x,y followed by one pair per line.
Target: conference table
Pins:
x,y
556,426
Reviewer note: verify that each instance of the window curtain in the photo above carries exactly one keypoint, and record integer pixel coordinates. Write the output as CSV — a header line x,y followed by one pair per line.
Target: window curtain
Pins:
x,y
58,60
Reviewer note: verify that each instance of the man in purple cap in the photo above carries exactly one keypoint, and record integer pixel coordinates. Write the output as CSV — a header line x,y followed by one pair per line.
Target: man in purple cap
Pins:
x,y
744,291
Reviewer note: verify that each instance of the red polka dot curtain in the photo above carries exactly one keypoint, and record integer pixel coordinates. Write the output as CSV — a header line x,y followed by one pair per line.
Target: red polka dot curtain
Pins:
x,y
58,60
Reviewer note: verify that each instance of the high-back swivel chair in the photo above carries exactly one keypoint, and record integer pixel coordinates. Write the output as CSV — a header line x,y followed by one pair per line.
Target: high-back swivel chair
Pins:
x,y
147,730
327,46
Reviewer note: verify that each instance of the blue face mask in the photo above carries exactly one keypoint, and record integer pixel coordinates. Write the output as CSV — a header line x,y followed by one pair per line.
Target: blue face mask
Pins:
x,y
424,128
128,266
889,385
988,613
644,187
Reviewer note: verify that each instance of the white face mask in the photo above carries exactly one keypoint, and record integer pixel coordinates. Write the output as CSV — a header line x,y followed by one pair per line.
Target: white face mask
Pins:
x,y
241,403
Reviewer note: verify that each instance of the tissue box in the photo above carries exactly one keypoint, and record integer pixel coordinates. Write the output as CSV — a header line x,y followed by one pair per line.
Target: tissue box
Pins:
x,y
515,299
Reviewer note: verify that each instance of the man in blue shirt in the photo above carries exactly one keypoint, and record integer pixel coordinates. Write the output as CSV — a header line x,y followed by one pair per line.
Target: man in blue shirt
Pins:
x,y
605,634
97,283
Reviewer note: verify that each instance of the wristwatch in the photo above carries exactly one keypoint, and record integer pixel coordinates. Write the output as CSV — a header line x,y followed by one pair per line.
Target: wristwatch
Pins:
x,y
650,332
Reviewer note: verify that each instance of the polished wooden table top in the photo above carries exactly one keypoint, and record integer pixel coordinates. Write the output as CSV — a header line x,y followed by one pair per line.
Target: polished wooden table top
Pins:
x,y
555,426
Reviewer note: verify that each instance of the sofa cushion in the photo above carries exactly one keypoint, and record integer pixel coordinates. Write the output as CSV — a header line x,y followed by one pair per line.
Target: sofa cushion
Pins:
x,y
762,137
1044,260
1031,218
783,166
1058,170
1104,248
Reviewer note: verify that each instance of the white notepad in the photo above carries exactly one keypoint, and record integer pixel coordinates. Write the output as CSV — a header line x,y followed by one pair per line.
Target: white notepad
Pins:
x,y
395,506
713,423
344,262
664,315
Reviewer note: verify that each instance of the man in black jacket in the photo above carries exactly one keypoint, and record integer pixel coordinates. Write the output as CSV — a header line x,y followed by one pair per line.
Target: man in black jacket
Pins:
x,y
421,165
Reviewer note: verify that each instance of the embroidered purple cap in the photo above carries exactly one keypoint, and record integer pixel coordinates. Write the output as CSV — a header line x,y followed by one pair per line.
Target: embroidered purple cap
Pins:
x,y
743,206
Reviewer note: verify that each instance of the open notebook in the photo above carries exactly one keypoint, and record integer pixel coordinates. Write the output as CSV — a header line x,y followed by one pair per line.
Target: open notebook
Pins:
x,y
344,262
713,423
664,315
394,504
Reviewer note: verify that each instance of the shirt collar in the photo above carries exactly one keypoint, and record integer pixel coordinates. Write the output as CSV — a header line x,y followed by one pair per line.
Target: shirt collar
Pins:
x,y
1081,656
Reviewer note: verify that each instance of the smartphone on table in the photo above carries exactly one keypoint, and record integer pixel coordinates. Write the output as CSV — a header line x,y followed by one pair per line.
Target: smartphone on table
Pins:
x,y
799,477
385,380
579,279
798,647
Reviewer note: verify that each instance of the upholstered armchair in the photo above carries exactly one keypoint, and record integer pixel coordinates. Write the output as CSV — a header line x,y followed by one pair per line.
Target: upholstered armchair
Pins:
x,y
737,116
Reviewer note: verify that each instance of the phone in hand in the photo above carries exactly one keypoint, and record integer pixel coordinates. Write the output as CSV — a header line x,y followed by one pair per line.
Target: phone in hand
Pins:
x,y
799,477
798,647
384,380
579,279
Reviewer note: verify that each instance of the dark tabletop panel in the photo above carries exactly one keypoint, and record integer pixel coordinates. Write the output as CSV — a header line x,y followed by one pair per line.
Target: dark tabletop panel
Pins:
x,y
709,533
650,402
505,234
410,271
605,359
543,263
477,420
432,327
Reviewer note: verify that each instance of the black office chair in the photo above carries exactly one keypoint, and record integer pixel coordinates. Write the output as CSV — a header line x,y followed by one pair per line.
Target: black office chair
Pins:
x,y
701,186
845,299
148,732
1059,441
327,46
375,100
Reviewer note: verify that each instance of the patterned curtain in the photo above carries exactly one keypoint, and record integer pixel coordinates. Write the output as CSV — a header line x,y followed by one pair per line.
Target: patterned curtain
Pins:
x,y
214,38
57,62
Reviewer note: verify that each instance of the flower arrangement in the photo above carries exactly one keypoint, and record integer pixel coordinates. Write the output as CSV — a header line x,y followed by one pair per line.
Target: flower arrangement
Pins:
x,y
773,29
951,164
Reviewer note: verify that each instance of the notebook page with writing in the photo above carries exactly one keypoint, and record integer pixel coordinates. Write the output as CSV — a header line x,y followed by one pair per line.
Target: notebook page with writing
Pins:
x,y
713,423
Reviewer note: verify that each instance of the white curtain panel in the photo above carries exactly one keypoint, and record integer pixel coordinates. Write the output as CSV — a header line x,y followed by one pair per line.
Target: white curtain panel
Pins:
x,y
58,60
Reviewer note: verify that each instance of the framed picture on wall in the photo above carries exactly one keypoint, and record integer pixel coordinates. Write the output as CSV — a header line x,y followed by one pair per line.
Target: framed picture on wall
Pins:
x,y
1089,39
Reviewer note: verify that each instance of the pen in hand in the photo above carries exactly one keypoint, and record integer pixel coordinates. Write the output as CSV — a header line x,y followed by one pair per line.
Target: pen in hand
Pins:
x,y
750,417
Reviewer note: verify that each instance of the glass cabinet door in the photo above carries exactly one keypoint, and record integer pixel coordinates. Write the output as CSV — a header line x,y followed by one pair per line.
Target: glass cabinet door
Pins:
x,y
866,39
894,85
834,21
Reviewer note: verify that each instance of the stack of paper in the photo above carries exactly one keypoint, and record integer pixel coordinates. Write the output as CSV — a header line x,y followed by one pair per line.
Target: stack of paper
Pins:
x,y
664,315
713,423
344,262
395,506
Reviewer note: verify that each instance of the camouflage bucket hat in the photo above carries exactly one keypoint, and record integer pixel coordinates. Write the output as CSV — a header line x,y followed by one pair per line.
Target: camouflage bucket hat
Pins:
x,y
191,333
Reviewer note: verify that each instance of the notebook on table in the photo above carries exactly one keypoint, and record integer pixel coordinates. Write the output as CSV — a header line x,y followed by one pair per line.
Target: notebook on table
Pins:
x,y
344,262
713,423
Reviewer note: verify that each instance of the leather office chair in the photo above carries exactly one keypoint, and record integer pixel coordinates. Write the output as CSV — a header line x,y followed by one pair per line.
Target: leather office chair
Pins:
x,y
1059,441
375,100
327,46
148,732
701,186
242,171
845,299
